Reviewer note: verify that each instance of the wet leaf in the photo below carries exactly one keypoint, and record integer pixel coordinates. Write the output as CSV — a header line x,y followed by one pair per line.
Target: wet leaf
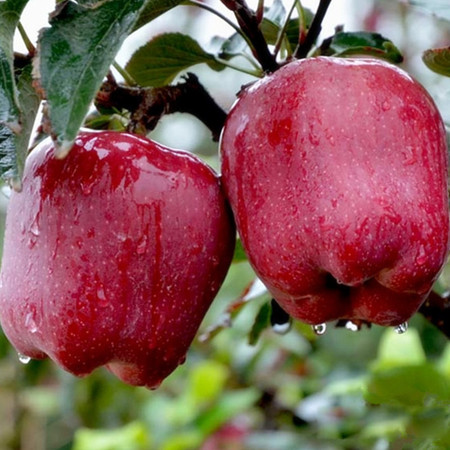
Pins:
x,y
29,102
75,55
363,43
153,9
438,60
10,111
159,61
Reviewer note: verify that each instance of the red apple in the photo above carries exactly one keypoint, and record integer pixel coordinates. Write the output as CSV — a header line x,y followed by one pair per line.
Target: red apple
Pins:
x,y
336,170
113,255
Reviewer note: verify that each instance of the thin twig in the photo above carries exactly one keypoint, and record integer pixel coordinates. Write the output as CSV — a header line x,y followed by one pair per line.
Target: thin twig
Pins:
x,y
248,21
314,30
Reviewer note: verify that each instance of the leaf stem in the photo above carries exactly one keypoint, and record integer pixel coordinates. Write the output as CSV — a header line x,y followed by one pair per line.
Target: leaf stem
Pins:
x,y
314,30
255,73
125,75
282,32
28,44
206,7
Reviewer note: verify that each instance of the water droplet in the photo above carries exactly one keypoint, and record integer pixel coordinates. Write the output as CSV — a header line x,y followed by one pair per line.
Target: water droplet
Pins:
x,y
30,323
282,328
402,328
320,328
24,359
34,228
352,326
142,245
386,106
102,299
421,258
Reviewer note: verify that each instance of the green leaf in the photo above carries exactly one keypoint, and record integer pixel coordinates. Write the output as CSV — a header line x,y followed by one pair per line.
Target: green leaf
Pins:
x,y
364,43
276,13
29,102
10,111
207,381
75,55
262,321
159,61
153,9
239,252
227,407
399,349
133,436
409,386
438,60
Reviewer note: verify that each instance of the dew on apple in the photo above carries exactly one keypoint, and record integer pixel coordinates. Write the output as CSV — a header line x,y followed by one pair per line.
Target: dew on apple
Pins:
x,y
402,328
142,245
24,359
320,328
30,323
103,300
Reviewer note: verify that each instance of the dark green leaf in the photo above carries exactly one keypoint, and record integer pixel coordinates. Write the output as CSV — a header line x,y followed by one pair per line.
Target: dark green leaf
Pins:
x,y
438,60
75,55
364,43
262,321
10,112
153,9
159,61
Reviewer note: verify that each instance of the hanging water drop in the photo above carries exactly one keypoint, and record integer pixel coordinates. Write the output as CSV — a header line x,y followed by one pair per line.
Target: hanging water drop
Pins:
x,y
402,328
24,359
282,328
352,326
320,328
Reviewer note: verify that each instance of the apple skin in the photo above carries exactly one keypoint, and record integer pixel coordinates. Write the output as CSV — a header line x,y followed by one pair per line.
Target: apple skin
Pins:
x,y
336,171
113,255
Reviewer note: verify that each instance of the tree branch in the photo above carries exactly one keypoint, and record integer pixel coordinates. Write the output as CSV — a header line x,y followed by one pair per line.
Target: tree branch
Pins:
x,y
248,21
314,30
436,310
148,105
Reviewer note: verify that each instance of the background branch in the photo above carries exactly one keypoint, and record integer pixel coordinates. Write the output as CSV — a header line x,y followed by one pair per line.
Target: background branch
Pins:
x,y
436,310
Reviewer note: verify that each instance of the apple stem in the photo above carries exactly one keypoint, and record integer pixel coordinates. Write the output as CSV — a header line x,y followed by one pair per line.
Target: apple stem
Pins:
x,y
148,105
314,30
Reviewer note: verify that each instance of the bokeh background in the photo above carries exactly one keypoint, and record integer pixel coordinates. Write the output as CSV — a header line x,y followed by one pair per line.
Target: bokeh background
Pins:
x,y
290,390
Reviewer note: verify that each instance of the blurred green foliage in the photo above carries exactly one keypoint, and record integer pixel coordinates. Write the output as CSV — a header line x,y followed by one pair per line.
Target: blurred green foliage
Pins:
x,y
367,389
244,386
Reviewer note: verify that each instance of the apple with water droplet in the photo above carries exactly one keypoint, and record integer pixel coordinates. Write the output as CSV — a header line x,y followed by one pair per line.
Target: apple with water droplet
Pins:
x,y
113,255
336,171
